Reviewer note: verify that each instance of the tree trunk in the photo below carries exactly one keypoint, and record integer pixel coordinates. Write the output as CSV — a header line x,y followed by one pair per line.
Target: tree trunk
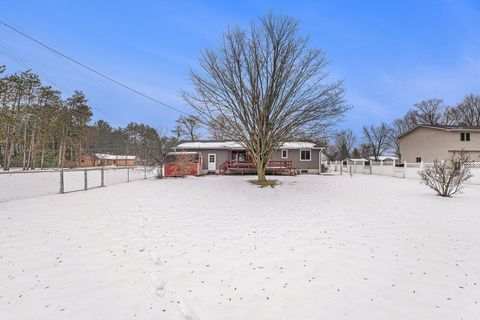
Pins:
x,y
261,164
43,155
261,173
8,156
60,146
79,156
5,161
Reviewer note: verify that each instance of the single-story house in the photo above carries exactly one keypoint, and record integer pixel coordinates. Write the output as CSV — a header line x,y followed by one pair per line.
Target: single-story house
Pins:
x,y
104,159
427,143
356,161
384,159
231,157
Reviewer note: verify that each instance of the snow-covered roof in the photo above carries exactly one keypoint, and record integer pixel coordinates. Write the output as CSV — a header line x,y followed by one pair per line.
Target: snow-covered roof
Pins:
x,y
383,158
183,152
357,159
209,145
298,145
106,156
236,145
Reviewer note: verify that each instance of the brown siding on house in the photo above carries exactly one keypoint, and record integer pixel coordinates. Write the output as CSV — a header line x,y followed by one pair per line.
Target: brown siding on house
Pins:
x,y
430,144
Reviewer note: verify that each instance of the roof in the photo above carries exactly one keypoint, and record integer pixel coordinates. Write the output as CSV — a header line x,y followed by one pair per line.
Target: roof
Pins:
x,y
443,127
105,156
183,152
356,159
211,144
383,158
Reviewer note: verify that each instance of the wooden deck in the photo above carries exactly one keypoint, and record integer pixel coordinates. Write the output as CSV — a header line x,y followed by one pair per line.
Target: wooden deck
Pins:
x,y
249,167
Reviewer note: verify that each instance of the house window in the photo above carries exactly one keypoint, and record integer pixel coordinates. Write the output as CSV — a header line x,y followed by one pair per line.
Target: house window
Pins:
x,y
464,136
305,155
284,153
239,155
418,160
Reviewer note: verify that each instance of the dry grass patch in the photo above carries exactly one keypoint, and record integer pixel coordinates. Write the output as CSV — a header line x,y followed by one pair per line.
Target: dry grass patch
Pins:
x,y
264,183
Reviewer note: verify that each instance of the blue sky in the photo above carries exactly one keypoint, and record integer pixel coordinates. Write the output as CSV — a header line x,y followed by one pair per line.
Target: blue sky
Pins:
x,y
390,54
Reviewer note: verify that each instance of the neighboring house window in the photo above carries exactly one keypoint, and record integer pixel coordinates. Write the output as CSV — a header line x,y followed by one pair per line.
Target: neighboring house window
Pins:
x,y
284,153
418,159
305,155
464,136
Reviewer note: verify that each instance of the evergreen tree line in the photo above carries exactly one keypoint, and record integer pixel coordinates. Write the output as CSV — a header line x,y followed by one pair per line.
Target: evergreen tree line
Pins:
x,y
40,129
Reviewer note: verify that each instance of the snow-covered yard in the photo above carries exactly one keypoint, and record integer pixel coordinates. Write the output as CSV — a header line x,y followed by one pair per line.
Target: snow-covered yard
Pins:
x,y
316,247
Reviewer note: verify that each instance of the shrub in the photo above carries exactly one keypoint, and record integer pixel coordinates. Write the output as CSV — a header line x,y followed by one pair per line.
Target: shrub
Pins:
x,y
183,164
447,177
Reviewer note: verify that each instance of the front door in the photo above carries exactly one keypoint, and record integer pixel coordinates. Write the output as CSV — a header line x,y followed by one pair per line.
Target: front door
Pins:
x,y
212,162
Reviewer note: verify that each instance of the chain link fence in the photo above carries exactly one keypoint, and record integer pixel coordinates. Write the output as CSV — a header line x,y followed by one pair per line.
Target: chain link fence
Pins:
x,y
16,185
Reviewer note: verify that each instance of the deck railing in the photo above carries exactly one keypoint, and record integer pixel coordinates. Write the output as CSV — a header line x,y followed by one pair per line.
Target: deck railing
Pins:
x,y
239,165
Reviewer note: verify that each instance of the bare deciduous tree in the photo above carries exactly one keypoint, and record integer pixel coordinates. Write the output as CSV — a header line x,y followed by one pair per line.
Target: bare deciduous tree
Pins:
x,y
398,127
365,150
163,145
429,112
183,164
447,177
186,127
466,113
268,86
216,128
377,139
345,141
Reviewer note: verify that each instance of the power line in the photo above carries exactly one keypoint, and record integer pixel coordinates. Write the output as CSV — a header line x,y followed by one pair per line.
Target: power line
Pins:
x,y
10,54
91,69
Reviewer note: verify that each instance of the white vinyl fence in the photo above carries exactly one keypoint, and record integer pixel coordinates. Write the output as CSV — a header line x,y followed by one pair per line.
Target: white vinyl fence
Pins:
x,y
391,168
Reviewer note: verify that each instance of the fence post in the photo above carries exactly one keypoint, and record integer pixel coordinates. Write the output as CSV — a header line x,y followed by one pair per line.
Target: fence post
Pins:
x,y
370,166
341,168
85,184
102,175
62,182
145,172
128,174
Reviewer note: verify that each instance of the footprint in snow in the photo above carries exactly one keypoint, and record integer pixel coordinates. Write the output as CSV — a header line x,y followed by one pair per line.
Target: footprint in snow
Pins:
x,y
186,311
156,259
141,247
158,284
